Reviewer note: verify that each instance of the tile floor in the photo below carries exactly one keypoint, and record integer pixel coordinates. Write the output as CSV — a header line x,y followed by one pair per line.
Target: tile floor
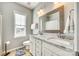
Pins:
x,y
27,53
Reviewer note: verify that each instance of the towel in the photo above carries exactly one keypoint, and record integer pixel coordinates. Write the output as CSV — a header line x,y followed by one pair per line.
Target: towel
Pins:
x,y
66,26
69,26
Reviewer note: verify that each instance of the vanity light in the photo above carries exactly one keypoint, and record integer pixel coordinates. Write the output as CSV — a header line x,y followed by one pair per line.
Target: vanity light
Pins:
x,y
56,2
40,12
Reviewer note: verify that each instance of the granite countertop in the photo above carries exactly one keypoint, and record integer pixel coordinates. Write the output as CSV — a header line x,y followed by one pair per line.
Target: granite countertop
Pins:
x,y
56,40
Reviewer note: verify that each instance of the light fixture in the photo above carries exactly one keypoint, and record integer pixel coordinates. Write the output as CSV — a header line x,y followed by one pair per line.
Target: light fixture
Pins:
x,y
40,12
56,2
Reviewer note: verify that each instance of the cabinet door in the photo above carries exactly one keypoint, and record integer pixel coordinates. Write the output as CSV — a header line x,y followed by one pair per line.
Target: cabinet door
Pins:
x,y
38,48
32,46
46,50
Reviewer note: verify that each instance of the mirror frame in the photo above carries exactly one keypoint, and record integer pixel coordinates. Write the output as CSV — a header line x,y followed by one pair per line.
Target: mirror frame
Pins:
x,y
61,18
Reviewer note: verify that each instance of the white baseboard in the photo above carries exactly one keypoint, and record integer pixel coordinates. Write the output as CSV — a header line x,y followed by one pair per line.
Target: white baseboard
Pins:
x,y
14,48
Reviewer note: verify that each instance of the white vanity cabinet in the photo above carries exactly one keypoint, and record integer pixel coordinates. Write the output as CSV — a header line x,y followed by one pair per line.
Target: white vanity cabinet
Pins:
x,y
46,50
52,50
35,46
32,45
41,47
38,47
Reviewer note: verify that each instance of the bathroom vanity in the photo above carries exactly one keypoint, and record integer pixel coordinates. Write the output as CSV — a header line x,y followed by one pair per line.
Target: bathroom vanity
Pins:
x,y
44,45
53,44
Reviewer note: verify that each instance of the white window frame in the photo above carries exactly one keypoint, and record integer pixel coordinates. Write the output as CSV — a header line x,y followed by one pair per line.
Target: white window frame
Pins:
x,y
19,33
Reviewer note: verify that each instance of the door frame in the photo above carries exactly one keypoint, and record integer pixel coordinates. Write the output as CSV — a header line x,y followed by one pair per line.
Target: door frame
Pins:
x,y
0,34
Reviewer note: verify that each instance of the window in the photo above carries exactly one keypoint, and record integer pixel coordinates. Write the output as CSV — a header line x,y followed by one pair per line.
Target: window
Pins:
x,y
20,25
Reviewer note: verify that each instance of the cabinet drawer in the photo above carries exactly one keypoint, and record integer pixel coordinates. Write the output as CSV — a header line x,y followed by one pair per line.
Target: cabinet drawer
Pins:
x,y
38,41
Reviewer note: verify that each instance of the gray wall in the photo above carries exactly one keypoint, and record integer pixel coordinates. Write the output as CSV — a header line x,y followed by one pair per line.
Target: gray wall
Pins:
x,y
8,23
76,35
47,7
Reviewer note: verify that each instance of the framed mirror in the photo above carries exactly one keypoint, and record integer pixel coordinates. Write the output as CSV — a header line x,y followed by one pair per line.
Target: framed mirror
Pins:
x,y
53,21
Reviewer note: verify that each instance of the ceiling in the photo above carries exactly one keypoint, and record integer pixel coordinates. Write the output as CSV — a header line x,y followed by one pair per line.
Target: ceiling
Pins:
x,y
30,5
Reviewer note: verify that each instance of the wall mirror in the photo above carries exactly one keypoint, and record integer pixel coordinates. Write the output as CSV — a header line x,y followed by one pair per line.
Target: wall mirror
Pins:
x,y
53,21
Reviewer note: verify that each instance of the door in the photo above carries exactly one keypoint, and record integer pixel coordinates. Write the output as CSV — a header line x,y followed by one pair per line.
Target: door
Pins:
x,y
0,34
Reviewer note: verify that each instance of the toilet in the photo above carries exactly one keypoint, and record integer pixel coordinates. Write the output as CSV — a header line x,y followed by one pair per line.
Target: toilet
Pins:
x,y
26,44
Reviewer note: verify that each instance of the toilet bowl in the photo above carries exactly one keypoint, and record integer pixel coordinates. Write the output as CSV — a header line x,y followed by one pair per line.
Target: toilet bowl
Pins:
x,y
26,44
